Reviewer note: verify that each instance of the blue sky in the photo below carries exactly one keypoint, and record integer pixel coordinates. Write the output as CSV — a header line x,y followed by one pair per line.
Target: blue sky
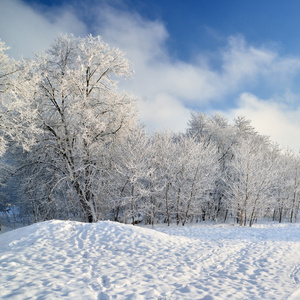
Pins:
x,y
233,57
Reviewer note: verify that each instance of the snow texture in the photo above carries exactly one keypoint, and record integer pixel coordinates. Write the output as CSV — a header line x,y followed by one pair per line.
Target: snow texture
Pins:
x,y
107,260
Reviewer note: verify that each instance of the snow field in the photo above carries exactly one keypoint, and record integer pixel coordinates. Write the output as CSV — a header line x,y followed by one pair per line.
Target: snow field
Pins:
x,y
107,260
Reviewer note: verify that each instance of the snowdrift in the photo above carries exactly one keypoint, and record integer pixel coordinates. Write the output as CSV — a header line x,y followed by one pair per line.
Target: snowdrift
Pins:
x,y
107,260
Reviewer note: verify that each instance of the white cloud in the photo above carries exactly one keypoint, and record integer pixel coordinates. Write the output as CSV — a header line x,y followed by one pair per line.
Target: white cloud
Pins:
x,y
245,66
142,40
276,120
167,86
241,65
164,112
28,31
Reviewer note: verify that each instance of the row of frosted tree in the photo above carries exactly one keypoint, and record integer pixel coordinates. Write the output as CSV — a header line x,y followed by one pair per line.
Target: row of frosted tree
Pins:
x,y
72,148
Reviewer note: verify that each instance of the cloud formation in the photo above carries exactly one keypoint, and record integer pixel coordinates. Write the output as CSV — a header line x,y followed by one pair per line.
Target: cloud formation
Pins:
x,y
234,80
169,88
274,119
30,30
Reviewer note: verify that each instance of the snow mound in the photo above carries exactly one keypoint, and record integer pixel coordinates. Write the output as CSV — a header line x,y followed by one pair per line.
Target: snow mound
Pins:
x,y
107,260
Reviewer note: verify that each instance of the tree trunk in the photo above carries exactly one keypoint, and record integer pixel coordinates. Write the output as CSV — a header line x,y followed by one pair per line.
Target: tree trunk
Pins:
x,y
83,201
167,204
226,214
293,206
177,206
280,214
132,203
117,213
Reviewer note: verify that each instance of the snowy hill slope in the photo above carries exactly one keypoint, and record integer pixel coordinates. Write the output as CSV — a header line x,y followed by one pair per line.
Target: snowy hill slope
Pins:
x,y
107,260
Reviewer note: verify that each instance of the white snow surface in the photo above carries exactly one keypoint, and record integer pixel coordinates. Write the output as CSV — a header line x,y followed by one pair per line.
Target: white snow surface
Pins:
x,y
108,260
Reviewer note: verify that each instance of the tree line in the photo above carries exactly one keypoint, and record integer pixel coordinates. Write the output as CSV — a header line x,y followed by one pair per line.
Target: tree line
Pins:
x,y
72,148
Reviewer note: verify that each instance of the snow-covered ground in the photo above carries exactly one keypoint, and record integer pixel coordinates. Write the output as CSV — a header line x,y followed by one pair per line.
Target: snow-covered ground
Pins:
x,y
107,260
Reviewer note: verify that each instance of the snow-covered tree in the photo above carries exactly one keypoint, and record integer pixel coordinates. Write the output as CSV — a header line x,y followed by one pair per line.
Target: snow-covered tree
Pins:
x,y
191,179
17,112
286,187
6,68
250,177
82,114
130,164
166,150
295,190
215,131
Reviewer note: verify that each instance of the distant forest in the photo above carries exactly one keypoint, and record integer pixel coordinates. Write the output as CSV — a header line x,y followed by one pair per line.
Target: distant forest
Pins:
x,y
72,148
